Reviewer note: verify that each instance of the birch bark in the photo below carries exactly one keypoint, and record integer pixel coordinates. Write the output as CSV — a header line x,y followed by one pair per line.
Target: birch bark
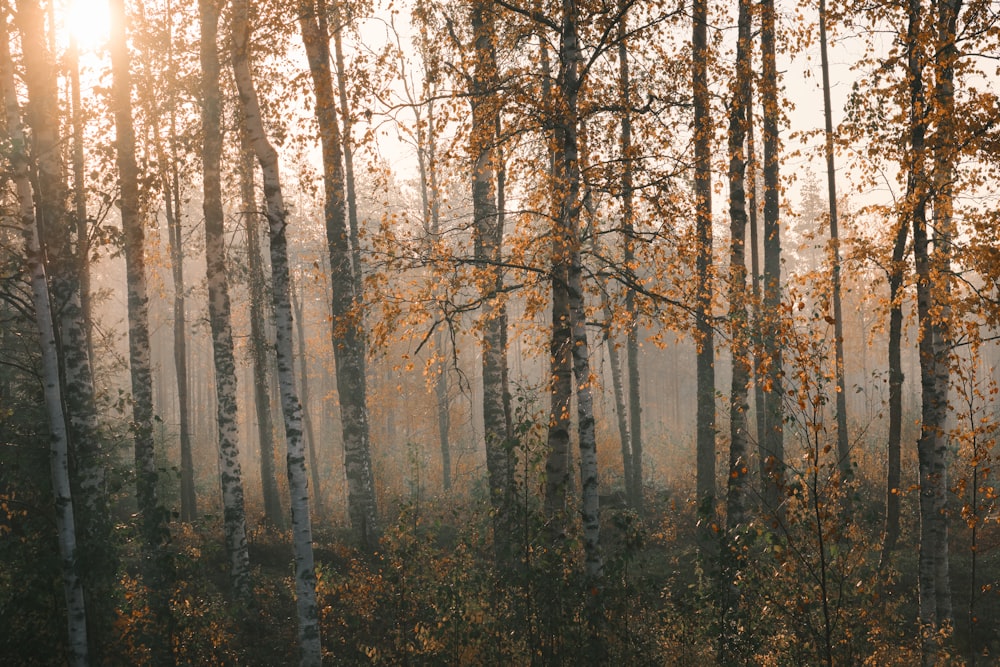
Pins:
x,y
78,655
298,486
230,472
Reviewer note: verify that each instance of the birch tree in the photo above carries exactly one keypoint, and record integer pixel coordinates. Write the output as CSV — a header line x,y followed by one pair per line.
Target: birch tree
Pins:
x,y
56,229
76,611
277,217
346,302
153,517
230,472
259,348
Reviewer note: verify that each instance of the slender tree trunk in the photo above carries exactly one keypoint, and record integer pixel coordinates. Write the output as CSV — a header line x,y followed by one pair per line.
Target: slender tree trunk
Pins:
x,y
488,253
567,229
733,559
298,486
760,414
557,463
310,433
945,156
80,197
704,336
634,472
772,442
153,516
259,348
843,443
170,184
430,199
895,394
230,472
346,305
932,573
348,143
54,221
621,410
76,612
189,500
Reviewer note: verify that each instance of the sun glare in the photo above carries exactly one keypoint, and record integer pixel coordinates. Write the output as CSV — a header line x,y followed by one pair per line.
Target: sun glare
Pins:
x,y
87,22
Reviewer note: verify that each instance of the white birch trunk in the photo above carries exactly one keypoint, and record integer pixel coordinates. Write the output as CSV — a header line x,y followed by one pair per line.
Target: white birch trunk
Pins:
x,y
298,485
58,437
230,473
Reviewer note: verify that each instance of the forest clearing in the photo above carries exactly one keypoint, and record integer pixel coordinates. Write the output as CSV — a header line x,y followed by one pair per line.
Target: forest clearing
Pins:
x,y
499,332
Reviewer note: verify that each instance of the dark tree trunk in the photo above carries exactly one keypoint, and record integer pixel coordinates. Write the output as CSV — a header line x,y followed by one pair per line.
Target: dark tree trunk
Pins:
x,y
704,335
346,305
772,442
843,442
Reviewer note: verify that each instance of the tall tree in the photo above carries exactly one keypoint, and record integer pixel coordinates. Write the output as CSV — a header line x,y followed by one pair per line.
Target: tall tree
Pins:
x,y
557,465
76,611
259,349
567,228
170,184
704,336
230,472
843,443
56,229
277,217
346,303
488,234
739,326
153,516
310,432
633,472
897,269
772,441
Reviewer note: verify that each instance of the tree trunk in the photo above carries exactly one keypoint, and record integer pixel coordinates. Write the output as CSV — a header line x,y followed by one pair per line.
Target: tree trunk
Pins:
x,y
621,410
893,491
170,184
298,486
843,443
347,140
230,472
760,415
733,559
310,433
932,567
76,612
945,149
96,554
260,350
773,439
634,472
704,336
567,230
346,305
155,532
488,251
